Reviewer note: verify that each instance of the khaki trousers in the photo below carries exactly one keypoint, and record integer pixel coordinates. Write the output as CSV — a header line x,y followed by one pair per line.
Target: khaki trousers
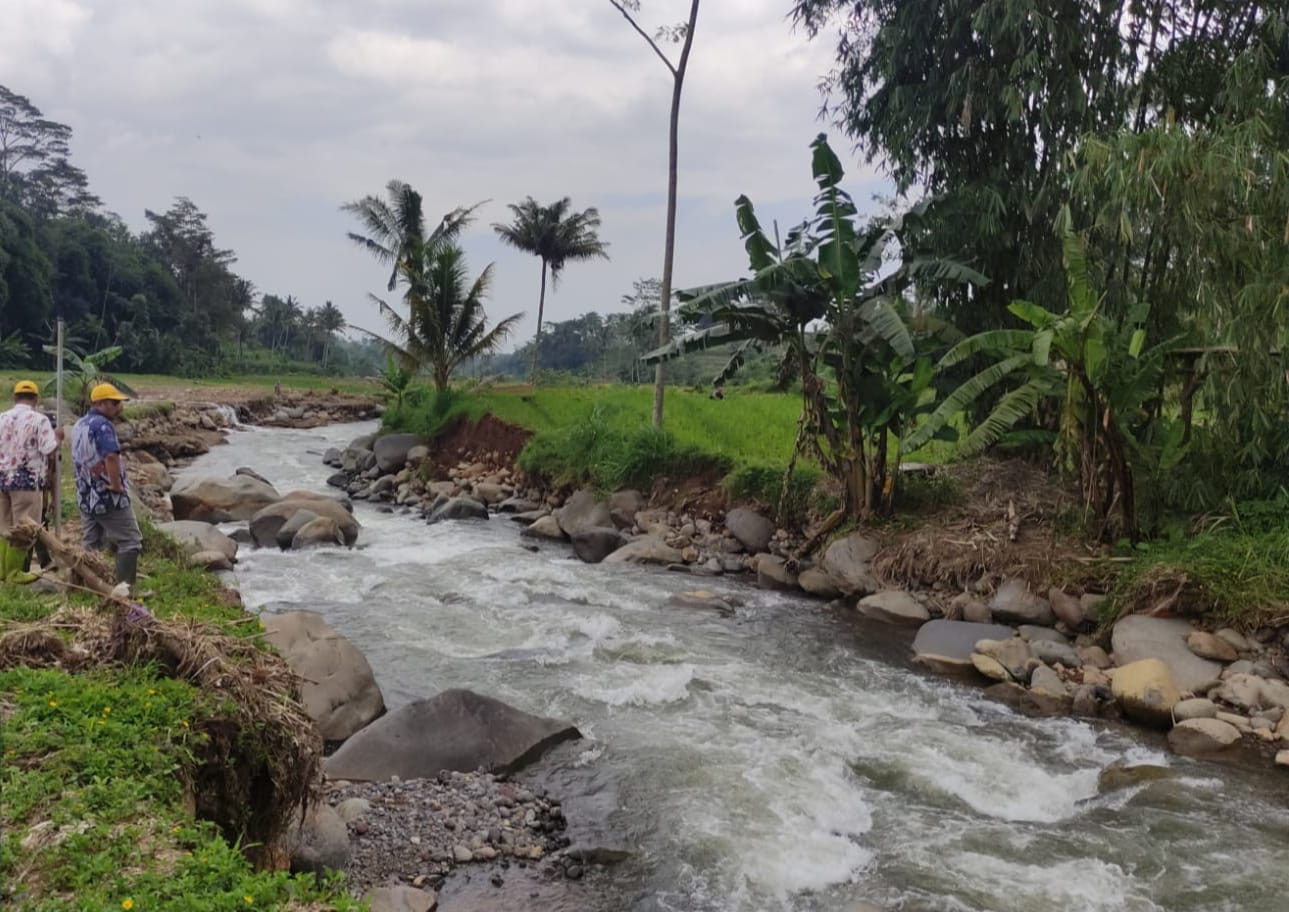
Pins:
x,y
15,506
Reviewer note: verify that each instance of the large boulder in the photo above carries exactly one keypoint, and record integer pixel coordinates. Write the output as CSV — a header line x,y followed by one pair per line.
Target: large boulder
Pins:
x,y
623,507
216,500
544,527
391,451
818,581
846,561
946,646
1014,603
582,511
752,530
1147,691
894,606
1138,636
1203,737
647,549
337,686
454,730
772,573
299,519
317,532
150,473
458,508
199,536
266,524
594,543
317,842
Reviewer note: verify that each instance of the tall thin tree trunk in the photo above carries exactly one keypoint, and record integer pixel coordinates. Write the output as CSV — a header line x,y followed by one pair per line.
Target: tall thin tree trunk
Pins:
x,y
673,156
537,342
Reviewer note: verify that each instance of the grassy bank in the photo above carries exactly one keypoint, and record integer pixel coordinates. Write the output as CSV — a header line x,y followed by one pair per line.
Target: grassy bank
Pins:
x,y
93,767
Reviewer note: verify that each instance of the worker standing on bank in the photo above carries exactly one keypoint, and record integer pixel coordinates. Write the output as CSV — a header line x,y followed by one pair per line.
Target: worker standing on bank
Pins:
x,y
27,445
102,490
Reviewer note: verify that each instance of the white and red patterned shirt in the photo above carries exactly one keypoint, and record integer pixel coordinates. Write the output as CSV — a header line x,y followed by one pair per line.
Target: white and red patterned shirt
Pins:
x,y
26,440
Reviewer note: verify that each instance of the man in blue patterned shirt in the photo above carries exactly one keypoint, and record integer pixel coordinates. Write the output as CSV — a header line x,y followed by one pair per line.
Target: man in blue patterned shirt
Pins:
x,y
102,490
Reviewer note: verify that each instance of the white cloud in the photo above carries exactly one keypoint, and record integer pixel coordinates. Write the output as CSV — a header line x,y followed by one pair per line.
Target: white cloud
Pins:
x,y
270,113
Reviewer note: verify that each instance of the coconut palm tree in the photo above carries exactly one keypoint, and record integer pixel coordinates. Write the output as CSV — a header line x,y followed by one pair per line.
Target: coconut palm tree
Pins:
x,y
329,321
445,324
394,229
557,236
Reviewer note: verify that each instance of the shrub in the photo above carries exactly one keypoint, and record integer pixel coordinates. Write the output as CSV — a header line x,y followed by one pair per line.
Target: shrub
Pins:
x,y
764,484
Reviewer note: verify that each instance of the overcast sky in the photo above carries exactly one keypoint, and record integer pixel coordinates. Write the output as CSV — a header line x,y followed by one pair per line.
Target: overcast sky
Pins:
x,y
269,114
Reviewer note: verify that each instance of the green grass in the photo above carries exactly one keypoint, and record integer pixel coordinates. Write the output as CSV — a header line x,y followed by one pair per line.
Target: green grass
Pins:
x,y
95,760
90,765
1235,570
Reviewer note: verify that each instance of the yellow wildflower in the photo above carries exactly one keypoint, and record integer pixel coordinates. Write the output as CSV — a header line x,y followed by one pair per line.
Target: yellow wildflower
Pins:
x,y
106,710
127,904
151,692
248,900
184,723
53,702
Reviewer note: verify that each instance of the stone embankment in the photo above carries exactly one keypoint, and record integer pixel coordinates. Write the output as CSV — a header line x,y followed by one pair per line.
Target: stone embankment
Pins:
x,y
1042,652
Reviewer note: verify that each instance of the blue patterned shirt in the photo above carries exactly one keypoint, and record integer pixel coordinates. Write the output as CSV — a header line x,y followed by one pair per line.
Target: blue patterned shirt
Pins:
x,y
93,440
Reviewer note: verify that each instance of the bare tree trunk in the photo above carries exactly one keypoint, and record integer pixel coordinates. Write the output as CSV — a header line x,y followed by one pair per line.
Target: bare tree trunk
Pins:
x,y
537,341
669,251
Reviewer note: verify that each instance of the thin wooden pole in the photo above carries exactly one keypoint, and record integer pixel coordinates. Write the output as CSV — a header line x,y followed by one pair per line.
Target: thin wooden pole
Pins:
x,y
58,453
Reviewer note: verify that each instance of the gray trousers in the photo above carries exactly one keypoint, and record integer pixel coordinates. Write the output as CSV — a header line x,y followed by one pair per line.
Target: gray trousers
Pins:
x,y
118,528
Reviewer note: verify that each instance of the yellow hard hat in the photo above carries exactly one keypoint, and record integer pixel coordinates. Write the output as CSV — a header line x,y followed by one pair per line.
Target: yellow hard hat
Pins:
x,y
25,388
107,391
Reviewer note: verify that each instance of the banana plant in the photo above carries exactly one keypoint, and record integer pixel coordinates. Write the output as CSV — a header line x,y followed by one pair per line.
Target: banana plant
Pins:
x,y
830,296
84,372
1099,370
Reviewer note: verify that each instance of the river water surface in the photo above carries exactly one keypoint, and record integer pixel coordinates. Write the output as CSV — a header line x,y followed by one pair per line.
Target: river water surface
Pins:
x,y
786,758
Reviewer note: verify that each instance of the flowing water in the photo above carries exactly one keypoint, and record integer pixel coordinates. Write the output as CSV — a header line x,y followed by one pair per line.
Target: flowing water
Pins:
x,y
786,758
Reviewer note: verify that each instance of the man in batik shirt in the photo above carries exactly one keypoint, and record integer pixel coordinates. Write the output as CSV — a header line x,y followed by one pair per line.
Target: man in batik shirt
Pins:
x,y
27,444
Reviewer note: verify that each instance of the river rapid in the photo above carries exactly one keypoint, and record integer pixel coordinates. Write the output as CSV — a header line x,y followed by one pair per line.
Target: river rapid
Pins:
x,y
787,758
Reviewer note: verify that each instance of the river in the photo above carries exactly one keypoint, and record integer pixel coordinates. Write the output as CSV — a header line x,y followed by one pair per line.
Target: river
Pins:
x,y
787,758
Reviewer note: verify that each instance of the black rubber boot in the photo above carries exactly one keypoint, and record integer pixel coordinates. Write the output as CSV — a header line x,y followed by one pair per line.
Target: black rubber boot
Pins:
x,y
127,567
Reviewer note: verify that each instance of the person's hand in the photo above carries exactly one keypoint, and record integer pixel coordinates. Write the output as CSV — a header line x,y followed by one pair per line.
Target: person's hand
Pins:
x,y
59,434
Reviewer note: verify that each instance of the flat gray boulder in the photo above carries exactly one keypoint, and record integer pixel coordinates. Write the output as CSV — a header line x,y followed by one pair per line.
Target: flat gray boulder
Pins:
x,y
647,549
391,451
1203,737
1014,603
546,527
594,543
337,687
299,519
894,606
210,499
199,536
752,530
458,508
454,730
847,560
582,511
318,532
1138,637
401,898
946,646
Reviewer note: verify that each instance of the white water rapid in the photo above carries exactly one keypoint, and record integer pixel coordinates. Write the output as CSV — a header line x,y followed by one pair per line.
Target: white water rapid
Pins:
x,y
786,758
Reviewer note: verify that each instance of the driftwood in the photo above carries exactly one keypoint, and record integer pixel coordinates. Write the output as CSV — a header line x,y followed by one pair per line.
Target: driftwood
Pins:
x,y
87,566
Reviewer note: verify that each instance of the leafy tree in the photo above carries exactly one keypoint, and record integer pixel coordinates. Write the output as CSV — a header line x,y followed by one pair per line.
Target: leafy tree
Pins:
x,y
556,236
446,324
329,321
25,300
396,381
395,228
13,350
864,373
982,102
684,33
35,170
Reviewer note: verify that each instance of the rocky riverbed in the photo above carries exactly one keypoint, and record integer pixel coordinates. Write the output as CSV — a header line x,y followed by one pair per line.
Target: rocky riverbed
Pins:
x,y
415,832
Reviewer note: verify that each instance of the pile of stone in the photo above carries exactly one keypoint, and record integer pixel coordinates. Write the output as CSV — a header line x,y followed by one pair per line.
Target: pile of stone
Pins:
x,y
292,521
1212,691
